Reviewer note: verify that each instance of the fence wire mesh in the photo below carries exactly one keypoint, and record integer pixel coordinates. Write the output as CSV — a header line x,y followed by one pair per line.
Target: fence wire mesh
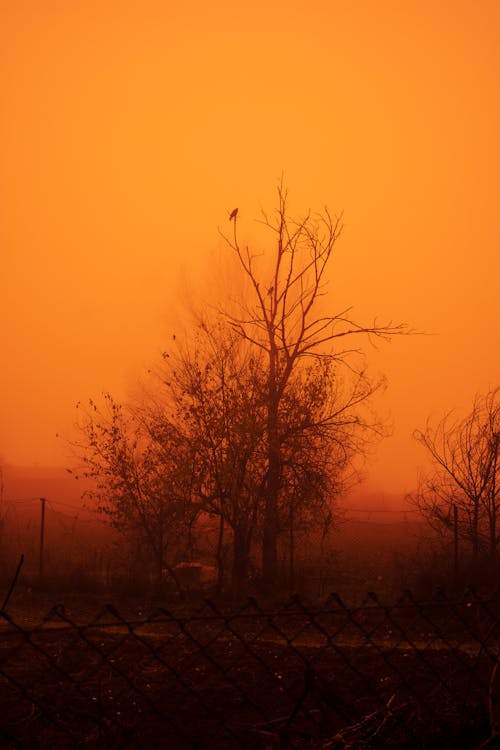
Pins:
x,y
412,674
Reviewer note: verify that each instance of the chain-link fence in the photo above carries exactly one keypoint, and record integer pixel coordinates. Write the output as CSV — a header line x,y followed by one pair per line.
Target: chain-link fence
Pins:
x,y
411,674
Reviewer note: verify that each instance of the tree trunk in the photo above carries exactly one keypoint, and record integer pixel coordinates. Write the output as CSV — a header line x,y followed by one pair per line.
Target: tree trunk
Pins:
x,y
292,552
220,556
241,558
475,534
271,519
158,570
158,559
270,541
493,532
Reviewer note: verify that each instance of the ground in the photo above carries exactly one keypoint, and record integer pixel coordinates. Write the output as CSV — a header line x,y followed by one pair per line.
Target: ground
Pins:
x,y
215,677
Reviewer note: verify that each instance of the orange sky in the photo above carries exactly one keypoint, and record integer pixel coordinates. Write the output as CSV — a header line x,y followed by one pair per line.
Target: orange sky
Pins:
x,y
129,129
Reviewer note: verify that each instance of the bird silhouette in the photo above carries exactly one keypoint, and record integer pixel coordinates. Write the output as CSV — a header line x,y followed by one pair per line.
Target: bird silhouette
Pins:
x,y
233,214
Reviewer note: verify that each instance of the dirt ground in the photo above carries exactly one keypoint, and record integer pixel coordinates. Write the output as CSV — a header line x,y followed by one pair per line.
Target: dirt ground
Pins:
x,y
210,679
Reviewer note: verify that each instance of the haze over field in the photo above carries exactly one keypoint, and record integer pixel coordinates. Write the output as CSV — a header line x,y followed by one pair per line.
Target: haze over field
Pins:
x,y
129,131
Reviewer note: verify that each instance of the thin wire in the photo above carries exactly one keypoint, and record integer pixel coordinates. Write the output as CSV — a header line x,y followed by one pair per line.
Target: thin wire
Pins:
x,y
68,505
382,510
21,500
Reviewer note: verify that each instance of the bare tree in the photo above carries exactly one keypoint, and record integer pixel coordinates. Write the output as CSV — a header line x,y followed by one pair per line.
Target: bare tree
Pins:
x,y
259,416
142,474
283,321
218,384
216,388
324,430
465,475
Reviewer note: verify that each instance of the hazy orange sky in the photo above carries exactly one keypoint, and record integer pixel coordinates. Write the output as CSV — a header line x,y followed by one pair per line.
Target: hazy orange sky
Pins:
x,y
129,129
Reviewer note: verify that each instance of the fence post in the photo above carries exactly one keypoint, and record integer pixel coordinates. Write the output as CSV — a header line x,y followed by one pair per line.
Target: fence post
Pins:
x,y
42,534
455,543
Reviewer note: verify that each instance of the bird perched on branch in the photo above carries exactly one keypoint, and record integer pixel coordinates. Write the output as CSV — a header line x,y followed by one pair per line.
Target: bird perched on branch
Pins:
x,y
233,214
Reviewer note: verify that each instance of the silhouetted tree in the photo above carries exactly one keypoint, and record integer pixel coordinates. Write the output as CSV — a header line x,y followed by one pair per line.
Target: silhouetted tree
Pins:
x,y
218,384
215,387
283,321
258,418
142,477
324,430
465,475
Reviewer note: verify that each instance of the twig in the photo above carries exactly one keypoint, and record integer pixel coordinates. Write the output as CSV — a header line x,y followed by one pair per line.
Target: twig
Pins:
x,y
367,729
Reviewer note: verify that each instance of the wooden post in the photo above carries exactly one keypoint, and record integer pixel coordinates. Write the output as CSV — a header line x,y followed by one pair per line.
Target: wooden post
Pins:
x,y
291,571
455,542
42,534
